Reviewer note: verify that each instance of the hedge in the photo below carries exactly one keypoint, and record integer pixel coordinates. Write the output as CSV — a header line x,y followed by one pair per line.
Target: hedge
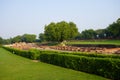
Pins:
x,y
106,67
32,54
115,56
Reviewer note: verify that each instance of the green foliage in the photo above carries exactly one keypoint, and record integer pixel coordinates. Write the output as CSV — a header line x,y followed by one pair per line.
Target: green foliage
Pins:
x,y
111,32
24,38
115,29
88,34
14,67
32,54
7,41
112,56
41,37
106,67
28,38
17,39
1,40
101,33
60,31
20,38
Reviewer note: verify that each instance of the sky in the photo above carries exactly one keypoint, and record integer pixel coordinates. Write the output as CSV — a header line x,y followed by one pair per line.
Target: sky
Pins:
x,y
18,17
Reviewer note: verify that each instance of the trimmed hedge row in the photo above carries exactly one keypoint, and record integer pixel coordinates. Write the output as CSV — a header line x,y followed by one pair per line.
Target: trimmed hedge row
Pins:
x,y
115,56
34,53
31,54
106,67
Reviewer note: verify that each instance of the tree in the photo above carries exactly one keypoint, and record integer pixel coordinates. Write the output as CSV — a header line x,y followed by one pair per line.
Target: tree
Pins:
x,y
7,41
79,36
42,37
17,39
50,32
101,33
114,29
1,40
63,31
88,34
28,38
73,30
60,31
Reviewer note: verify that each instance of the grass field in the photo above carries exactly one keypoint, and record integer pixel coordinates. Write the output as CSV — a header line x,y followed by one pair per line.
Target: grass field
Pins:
x,y
113,42
13,67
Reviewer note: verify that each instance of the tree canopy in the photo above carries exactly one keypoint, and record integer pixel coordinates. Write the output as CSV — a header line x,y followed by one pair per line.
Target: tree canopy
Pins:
x,y
114,29
88,34
17,39
1,40
111,32
60,31
41,37
28,38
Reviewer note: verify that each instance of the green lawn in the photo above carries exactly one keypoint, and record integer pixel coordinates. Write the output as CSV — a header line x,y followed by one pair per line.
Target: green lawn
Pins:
x,y
13,67
113,42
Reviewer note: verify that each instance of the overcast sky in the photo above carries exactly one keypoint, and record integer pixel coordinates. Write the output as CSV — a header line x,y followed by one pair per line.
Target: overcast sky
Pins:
x,y
18,17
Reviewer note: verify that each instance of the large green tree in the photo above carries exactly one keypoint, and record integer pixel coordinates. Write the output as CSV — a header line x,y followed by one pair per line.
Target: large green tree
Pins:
x,y
60,31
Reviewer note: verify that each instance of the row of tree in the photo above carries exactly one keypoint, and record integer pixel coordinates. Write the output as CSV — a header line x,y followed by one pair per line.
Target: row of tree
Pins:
x,y
28,38
111,32
68,31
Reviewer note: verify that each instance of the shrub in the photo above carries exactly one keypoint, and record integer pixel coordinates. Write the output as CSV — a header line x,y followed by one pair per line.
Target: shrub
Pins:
x,y
32,54
115,56
105,67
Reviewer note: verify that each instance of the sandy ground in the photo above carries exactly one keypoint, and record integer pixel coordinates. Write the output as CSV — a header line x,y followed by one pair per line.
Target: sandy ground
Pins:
x,y
26,46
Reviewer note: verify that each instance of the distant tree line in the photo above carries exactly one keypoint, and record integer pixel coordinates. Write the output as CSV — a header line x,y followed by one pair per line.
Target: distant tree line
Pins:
x,y
66,31
111,32
28,38
61,31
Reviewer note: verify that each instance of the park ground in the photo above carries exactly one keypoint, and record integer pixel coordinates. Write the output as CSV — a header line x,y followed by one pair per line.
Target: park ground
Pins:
x,y
13,67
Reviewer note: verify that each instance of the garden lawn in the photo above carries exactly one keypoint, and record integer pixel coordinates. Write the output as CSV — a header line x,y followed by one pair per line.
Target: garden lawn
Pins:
x,y
13,67
108,42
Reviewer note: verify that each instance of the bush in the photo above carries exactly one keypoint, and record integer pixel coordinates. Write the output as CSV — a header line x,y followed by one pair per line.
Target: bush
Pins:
x,y
115,56
105,67
32,54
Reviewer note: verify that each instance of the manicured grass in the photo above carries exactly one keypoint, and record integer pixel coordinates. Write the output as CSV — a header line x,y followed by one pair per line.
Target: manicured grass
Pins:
x,y
113,42
13,67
